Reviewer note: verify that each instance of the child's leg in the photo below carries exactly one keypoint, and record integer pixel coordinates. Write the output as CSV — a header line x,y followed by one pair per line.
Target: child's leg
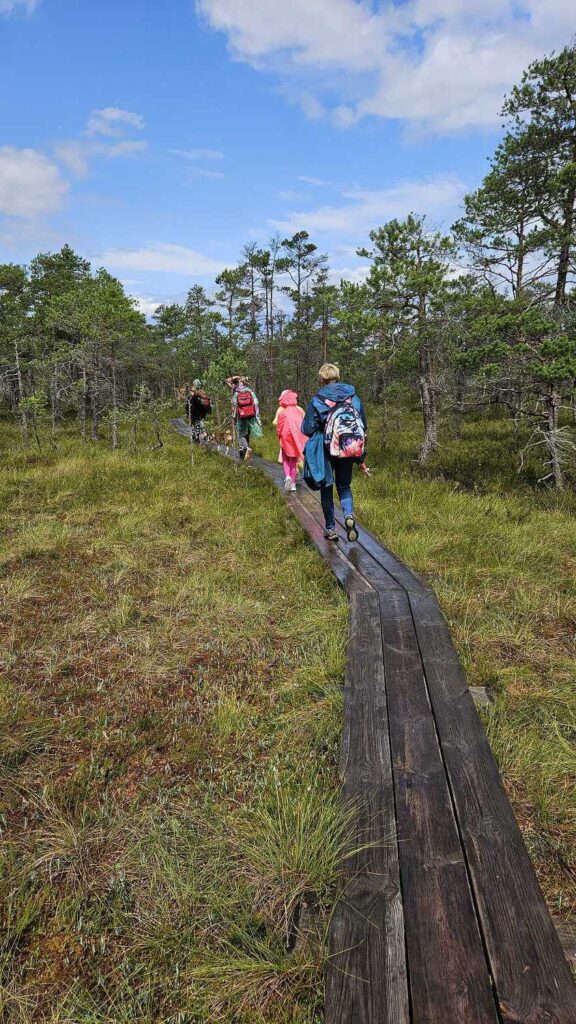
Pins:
x,y
286,468
293,467
242,437
327,500
343,473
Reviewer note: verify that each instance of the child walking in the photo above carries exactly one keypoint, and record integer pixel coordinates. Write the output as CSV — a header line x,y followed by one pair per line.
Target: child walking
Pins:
x,y
246,414
288,420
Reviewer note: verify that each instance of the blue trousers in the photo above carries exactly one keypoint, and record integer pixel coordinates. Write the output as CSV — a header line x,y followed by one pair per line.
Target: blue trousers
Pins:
x,y
342,470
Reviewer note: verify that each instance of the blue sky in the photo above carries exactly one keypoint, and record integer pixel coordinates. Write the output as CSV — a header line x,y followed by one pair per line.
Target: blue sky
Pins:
x,y
158,138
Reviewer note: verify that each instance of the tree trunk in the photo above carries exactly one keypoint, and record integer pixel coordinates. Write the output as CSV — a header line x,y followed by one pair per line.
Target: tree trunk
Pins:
x,y
95,413
427,395
114,408
83,404
553,406
23,415
565,248
54,404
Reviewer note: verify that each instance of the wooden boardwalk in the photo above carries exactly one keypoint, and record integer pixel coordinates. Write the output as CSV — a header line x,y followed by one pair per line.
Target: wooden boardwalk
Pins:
x,y
441,919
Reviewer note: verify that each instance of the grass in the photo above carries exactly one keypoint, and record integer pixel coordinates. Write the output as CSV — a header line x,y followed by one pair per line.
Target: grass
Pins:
x,y
170,704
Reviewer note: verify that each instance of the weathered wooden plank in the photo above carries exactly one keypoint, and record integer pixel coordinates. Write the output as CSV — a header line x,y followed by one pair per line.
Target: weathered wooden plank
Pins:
x,y
372,570
366,975
403,576
351,580
532,979
448,974
566,932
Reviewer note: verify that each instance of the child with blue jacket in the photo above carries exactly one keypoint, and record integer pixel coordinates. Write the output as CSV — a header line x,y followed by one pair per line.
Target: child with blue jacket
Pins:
x,y
333,393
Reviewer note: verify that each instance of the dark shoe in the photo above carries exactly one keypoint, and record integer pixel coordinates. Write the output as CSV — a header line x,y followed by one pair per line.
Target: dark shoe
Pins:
x,y
242,453
351,530
331,533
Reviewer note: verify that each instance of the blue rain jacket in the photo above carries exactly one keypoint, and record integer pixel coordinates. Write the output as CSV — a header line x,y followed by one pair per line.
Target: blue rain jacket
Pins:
x,y
317,412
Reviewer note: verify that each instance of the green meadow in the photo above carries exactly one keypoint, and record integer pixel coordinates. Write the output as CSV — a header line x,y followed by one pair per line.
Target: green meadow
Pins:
x,y
172,657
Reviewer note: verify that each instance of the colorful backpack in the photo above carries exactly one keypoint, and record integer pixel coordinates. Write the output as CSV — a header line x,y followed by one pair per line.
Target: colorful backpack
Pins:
x,y
344,433
245,405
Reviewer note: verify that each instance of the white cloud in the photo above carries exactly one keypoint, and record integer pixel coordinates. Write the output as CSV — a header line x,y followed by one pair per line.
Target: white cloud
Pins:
x,y
366,209
339,33
7,6
356,275
198,154
113,121
201,172
163,257
440,65
110,122
146,304
30,185
124,148
310,180
74,155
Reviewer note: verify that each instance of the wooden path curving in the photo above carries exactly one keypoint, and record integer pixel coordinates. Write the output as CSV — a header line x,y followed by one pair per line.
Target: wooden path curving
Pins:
x,y
441,919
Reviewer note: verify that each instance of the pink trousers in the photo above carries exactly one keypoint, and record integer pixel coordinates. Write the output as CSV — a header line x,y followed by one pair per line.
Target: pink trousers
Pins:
x,y
289,465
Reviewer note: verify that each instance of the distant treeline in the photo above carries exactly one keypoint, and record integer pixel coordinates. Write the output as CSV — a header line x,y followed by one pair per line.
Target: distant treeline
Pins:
x,y
481,317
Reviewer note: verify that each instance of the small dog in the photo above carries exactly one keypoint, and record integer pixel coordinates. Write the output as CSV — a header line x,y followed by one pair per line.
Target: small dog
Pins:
x,y
222,437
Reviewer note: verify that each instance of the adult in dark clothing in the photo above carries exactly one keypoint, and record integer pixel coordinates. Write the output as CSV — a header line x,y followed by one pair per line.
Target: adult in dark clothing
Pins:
x,y
333,394
198,407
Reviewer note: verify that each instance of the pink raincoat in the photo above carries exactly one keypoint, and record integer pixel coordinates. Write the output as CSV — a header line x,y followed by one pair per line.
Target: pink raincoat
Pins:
x,y
288,421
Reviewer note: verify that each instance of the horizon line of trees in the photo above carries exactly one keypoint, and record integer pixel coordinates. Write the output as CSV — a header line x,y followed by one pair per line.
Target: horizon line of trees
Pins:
x,y
479,317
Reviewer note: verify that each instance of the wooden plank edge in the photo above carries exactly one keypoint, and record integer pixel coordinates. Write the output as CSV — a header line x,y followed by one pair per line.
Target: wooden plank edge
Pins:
x,y
377,950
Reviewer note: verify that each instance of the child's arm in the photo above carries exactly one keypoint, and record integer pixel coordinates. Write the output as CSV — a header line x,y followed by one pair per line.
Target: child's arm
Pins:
x,y
275,420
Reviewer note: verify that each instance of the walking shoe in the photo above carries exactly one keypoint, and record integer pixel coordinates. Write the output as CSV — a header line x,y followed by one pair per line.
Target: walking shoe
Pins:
x,y
292,485
351,529
287,483
242,453
331,533
248,454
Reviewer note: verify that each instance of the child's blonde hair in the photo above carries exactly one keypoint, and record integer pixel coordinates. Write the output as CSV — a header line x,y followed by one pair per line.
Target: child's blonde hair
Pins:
x,y
328,373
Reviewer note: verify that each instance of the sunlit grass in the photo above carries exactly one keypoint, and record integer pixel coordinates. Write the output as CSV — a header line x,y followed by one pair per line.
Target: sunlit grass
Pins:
x,y
159,620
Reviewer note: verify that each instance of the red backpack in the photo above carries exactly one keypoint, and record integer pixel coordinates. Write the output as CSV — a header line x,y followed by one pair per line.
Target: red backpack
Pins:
x,y
245,405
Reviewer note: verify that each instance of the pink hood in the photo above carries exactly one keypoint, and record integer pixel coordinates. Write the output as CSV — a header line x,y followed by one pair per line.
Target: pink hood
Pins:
x,y
290,417
288,398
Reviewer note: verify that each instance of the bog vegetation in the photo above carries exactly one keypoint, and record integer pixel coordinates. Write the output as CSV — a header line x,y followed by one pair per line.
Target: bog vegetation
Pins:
x,y
170,693
170,706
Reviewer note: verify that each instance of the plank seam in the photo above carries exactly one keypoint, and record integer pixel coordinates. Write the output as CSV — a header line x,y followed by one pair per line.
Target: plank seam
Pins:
x,y
458,826
394,793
